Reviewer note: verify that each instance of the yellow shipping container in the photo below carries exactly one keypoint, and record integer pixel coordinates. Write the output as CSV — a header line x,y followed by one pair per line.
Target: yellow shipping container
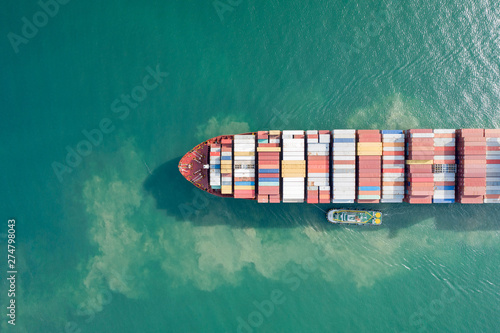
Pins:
x,y
244,187
274,132
393,144
369,153
270,149
244,153
292,167
292,172
226,189
419,161
223,162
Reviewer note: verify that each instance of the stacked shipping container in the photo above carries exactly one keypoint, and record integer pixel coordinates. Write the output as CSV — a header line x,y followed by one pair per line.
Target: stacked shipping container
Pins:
x,y
215,166
393,166
420,157
227,166
471,150
444,166
344,166
244,166
293,166
268,151
369,155
492,166
318,166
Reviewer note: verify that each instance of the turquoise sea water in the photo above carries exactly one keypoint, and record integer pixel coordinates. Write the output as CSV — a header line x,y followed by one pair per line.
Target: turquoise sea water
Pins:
x,y
109,247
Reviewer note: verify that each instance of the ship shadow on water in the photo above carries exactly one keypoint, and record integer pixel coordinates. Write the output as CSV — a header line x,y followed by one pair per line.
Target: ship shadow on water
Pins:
x,y
179,199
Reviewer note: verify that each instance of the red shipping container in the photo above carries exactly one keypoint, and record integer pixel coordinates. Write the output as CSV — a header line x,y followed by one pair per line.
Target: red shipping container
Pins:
x,y
492,196
419,168
369,158
367,201
369,175
386,170
244,179
368,192
262,199
477,199
420,200
421,192
370,166
472,181
444,149
318,158
492,133
472,191
269,153
368,182
393,184
421,179
335,162
470,131
275,198
269,175
419,130
269,189
244,194
393,153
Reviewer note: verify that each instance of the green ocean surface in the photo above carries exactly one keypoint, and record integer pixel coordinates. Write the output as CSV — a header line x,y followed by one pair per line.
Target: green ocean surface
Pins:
x,y
117,241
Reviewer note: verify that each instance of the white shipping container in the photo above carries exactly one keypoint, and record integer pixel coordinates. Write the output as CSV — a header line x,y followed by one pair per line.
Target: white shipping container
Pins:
x,y
444,131
400,158
342,201
318,153
293,132
444,157
392,136
491,201
393,149
343,167
292,179
318,147
317,175
312,132
393,179
393,196
492,167
324,138
422,135
392,166
344,131
393,140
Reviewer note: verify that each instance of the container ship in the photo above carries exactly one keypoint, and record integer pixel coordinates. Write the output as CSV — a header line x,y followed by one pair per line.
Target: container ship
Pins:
x,y
417,166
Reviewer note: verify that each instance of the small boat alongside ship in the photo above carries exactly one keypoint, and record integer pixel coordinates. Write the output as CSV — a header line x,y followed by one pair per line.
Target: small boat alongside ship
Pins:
x,y
357,217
